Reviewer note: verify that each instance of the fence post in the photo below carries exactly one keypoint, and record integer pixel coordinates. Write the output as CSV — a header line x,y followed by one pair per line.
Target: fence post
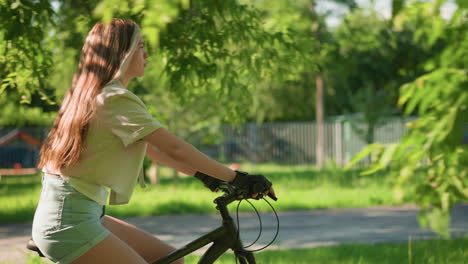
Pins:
x,y
347,140
338,143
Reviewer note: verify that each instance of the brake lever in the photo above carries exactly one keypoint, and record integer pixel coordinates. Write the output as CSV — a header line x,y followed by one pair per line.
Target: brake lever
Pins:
x,y
272,196
257,188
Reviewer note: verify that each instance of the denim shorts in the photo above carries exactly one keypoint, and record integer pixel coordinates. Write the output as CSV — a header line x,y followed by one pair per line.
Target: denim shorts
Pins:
x,y
66,222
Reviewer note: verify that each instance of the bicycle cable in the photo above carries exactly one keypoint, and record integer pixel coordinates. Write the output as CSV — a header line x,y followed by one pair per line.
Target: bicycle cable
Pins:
x,y
259,219
261,227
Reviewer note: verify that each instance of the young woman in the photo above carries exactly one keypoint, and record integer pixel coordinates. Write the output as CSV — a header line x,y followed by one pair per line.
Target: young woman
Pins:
x,y
94,153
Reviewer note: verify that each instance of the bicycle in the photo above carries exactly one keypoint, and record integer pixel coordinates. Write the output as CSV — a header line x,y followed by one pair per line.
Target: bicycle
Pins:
x,y
223,238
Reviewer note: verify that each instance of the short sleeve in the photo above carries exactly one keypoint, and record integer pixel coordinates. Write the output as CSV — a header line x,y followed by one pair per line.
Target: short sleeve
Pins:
x,y
128,118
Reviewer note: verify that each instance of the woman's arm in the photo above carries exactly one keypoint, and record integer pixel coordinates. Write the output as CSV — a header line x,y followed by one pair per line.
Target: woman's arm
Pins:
x,y
158,156
186,154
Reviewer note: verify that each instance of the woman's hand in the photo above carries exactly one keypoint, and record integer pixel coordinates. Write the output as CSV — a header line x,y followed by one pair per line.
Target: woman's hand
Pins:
x,y
254,184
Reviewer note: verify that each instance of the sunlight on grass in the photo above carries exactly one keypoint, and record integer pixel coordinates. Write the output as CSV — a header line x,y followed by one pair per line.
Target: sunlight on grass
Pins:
x,y
298,188
453,251
428,252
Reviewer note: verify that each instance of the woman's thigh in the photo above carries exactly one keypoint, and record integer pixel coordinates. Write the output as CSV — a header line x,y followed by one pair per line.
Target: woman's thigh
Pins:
x,y
110,250
144,243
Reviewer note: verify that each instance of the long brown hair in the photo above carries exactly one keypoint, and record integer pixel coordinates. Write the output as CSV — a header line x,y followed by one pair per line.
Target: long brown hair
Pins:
x,y
106,49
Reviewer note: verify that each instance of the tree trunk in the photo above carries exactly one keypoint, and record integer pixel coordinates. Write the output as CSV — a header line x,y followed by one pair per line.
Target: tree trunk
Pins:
x,y
319,105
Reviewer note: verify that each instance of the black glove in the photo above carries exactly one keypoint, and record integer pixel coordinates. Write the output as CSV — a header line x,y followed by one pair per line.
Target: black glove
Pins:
x,y
252,183
209,182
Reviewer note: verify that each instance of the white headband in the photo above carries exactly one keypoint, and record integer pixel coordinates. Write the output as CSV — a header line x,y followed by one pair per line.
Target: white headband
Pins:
x,y
126,60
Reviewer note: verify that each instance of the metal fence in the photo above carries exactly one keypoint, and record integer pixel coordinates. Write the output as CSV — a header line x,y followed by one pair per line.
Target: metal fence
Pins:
x,y
294,143
284,143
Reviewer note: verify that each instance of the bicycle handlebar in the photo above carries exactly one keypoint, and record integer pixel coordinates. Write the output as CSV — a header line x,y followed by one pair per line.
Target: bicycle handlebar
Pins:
x,y
239,187
231,193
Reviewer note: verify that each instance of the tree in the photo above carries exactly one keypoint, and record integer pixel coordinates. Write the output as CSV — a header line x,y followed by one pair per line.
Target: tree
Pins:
x,y
196,43
432,157
24,62
316,43
200,56
372,60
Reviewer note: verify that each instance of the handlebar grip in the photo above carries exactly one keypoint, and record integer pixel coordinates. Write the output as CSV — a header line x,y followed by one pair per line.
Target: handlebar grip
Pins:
x,y
272,196
259,188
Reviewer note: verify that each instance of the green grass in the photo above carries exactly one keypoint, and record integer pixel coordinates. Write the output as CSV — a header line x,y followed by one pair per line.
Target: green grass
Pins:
x,y
297,187
453,251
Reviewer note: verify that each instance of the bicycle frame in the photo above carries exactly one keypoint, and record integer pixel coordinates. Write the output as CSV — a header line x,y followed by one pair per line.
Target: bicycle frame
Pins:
x,y
223,238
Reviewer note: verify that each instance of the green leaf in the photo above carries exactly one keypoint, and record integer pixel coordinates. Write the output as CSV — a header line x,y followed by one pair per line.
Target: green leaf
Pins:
x,y
439,221
459,186
397,6
362,154
422,217
372,169
462,4
387,155
415,99
406,92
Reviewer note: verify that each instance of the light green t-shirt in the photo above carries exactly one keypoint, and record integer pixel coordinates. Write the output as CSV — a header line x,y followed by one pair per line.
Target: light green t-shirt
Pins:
x,y
113,153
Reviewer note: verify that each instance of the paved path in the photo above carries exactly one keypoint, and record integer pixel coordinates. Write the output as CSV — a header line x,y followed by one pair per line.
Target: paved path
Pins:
x,y
297,229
